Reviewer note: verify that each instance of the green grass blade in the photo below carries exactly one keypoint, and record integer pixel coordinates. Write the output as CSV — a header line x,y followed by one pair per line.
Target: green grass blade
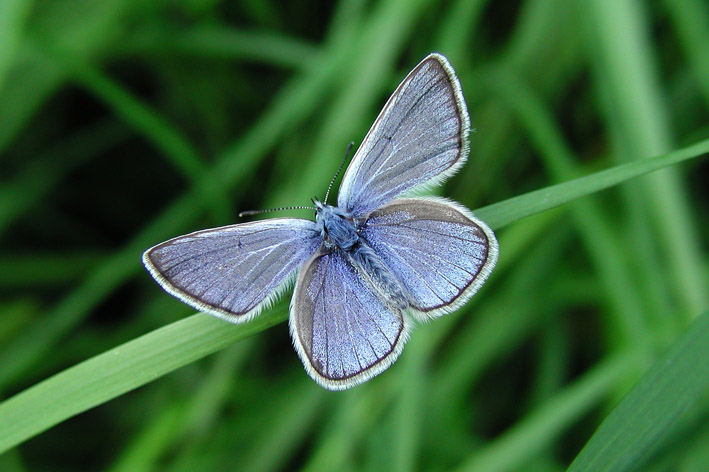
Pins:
x,y
31,80
119,370
13,17
144,359
220,42
293,414
543,425
366,70
691,20
164,136
594,227
182,417
636,427
503,213
178,151
635,109
456,28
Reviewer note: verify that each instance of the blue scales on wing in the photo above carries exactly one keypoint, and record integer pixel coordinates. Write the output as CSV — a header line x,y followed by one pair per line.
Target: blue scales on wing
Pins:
x,y
421,136
440,253
233,271
344,332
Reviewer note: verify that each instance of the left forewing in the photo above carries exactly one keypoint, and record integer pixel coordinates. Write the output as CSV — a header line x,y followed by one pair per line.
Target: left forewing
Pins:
x,y
234,271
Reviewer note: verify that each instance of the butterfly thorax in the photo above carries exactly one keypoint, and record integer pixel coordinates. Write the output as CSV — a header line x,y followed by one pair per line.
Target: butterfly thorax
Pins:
x,y
338,228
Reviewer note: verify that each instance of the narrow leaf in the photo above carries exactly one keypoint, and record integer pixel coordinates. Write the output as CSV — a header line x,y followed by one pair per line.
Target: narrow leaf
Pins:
x,y
503,213
120,370
635,429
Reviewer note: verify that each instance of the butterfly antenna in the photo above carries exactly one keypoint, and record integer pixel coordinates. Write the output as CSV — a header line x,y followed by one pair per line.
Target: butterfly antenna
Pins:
x,y
258,212
342,164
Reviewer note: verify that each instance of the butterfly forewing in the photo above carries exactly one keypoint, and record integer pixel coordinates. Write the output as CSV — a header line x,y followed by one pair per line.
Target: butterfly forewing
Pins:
x,y
437,249
420,135
342,330
231,271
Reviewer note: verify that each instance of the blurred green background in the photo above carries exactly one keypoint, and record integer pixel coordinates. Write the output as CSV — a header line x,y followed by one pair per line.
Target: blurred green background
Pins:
x,y
124,123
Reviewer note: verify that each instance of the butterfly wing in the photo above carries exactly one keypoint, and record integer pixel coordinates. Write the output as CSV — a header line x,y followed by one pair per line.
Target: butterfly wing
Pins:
x,y
233,271
420,136
343,332
436,248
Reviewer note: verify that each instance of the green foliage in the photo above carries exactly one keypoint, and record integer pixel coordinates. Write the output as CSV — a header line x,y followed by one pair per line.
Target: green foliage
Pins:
x,y
125,123
670,394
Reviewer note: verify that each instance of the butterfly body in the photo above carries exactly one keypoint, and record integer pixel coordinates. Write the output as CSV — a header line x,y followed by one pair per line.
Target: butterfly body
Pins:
x,y
365,268
341,232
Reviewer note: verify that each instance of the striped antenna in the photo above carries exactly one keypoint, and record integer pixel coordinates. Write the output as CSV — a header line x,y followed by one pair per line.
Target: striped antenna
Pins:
x,y
257,212
342,164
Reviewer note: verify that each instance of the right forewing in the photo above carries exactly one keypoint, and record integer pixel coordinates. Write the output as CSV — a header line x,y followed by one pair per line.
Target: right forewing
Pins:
x,y
420,137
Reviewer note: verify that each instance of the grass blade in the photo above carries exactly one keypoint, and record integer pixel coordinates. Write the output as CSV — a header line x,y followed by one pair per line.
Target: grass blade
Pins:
x,y
13,16
503,213
543,425
635,429
120,370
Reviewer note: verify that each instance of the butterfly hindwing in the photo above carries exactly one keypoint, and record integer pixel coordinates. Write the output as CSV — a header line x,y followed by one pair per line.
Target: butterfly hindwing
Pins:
x,y
436,248
343,331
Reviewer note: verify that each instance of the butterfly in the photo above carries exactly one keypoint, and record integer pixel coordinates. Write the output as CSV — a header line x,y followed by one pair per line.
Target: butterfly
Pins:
x,y
366,268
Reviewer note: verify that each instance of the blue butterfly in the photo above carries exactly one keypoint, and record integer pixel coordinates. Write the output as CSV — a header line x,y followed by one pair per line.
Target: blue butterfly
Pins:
x,y
367,266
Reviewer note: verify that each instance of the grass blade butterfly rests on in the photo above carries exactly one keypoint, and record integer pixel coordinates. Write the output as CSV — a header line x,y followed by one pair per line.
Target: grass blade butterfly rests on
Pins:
x,y
365,267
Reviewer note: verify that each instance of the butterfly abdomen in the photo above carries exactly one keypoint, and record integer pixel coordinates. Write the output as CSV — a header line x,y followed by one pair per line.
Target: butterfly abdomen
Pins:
x,y
380,276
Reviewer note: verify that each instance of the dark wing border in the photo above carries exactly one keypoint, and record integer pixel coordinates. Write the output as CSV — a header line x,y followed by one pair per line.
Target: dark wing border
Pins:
x,y
338,384
483,273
